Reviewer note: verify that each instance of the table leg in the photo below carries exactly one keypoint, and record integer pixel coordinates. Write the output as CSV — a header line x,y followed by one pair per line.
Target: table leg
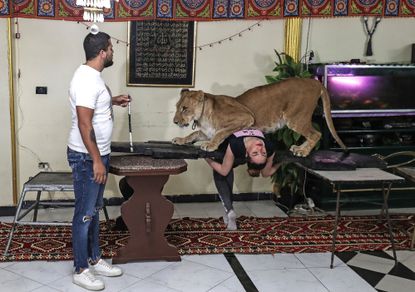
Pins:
x,y
386,192
147,214
336,222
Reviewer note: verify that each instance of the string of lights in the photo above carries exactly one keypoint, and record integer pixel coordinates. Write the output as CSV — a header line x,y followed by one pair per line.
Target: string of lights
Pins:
x,y
201,47
229,38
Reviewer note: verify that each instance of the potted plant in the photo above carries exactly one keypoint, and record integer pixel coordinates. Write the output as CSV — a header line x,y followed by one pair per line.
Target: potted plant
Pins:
x,y
287,180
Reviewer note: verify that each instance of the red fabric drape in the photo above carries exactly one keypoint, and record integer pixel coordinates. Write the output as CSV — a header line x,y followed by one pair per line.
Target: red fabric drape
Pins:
x,y
210,10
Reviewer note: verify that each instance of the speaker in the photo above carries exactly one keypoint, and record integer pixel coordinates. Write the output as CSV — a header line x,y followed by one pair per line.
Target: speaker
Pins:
x,y
413,54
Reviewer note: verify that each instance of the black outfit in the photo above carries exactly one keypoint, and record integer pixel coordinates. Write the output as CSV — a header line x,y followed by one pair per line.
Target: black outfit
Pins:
x,y
127,192
224,184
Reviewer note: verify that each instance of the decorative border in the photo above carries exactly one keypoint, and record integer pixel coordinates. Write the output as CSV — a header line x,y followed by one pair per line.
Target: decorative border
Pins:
x,y
210,10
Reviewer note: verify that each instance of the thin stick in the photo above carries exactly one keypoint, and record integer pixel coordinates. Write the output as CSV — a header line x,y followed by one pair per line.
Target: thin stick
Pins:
x,y
129,127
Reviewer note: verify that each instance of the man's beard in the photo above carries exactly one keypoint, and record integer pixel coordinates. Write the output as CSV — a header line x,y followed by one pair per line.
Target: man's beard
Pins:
x,y
108,63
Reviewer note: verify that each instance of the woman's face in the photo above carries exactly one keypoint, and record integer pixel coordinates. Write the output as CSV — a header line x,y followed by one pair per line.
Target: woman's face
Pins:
x,y
257,152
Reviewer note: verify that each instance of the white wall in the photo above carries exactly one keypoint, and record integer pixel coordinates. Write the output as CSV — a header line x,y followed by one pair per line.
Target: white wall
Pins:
x,y
343,39
6,187
49,52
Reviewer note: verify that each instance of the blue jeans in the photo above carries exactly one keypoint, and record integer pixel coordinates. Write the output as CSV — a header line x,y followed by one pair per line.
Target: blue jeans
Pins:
x,y
88,202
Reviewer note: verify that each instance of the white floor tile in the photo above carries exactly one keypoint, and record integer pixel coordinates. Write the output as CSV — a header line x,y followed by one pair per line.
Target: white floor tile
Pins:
x,y
5,264
410,262
42,271
265,208
372,263
45,289
144,269
230,285
7,219
260,262
10,281
241,209
65,284
341,279
189,276
318,260
113,284
393,283
403,255
286,280
193,210
148,286
217,261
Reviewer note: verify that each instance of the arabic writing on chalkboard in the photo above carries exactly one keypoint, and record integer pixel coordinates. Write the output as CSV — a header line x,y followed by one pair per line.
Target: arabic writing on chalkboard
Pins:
x,y
161,53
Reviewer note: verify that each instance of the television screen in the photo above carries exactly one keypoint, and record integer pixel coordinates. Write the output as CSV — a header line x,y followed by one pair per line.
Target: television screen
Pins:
x,y
370,89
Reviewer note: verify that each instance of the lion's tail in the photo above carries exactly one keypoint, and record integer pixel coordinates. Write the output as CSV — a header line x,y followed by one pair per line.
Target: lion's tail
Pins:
x,y
329,121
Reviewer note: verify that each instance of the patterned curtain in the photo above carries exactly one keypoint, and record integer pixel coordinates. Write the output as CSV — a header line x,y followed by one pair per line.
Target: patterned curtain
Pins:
x,y
210,10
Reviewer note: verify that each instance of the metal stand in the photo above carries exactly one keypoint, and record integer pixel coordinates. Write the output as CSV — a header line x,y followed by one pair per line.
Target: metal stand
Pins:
x,y
43,181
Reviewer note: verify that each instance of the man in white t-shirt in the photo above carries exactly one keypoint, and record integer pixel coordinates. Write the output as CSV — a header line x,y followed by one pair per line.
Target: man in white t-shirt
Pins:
x,y
89,147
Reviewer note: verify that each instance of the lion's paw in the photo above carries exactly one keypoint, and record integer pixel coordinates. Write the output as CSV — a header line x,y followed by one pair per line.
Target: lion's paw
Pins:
x,y
299,151
208,146
179,141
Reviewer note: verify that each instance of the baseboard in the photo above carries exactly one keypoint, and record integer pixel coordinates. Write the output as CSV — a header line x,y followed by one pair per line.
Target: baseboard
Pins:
x,y
117,201
8,211
200,198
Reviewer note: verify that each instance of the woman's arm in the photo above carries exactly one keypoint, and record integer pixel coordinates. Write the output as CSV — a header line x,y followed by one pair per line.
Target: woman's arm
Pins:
x,y
227,163
270,168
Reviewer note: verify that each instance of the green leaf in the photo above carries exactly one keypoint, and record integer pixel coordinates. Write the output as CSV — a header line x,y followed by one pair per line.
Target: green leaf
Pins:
x,y
296,136
287,138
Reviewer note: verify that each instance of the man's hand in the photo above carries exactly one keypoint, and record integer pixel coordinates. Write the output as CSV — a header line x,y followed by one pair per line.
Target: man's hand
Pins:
x,y
121,100
100,173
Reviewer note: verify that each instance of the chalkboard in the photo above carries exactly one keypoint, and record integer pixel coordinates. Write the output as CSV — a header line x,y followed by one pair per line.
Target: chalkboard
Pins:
x,y
161,53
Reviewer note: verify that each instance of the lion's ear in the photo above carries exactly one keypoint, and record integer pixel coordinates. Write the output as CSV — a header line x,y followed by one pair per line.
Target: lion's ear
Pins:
x,y
200,95
184,89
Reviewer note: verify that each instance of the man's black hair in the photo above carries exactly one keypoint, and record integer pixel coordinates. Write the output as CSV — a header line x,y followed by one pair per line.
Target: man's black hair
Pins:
x,y
94,43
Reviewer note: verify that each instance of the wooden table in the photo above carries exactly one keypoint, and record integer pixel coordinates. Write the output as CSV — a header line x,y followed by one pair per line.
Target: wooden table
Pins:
x,y
147,213
338,179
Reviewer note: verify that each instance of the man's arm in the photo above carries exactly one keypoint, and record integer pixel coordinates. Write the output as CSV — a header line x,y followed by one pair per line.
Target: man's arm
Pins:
x,y
85,116
121,100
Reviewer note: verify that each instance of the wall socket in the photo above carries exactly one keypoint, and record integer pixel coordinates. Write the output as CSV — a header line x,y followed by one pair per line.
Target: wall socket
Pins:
x,y
41,90
43,165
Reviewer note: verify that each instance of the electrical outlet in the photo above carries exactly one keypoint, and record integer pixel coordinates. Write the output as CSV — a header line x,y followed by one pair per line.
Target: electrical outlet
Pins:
x,y
41,90
43,165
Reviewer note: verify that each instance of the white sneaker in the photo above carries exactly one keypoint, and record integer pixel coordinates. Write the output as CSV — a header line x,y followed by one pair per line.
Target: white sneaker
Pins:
x,y
231,220
105,269
88,281
225,218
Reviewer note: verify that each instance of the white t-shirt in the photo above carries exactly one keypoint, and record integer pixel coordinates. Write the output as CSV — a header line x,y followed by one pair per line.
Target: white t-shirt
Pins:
x,y
88,89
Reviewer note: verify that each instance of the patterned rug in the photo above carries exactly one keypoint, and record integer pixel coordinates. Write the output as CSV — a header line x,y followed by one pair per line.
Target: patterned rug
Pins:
x,y
208,236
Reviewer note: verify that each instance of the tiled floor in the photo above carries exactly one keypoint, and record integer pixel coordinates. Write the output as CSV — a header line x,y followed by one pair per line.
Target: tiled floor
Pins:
x,y
353,272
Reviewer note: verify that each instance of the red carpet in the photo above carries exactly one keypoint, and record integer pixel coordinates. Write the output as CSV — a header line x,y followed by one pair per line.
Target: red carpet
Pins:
x,y
207,236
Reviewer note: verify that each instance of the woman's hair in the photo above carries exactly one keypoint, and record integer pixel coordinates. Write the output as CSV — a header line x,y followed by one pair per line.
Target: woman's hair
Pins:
x,y
254,169
94,43
253,172
257,166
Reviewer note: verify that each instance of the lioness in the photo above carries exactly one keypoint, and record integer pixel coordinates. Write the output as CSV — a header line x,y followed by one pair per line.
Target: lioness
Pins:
x,y
217,116
290,102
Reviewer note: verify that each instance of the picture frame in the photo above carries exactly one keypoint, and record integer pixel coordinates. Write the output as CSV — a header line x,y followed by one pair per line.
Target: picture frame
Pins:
x,y
161,53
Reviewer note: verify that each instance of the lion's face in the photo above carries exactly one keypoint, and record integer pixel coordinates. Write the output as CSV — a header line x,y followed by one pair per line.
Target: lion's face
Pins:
x,y
188,108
